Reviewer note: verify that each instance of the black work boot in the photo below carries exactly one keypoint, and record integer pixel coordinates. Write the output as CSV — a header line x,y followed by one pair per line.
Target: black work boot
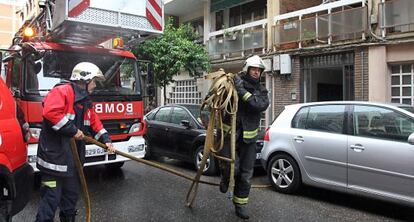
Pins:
x,y
241,211
67,218
224,185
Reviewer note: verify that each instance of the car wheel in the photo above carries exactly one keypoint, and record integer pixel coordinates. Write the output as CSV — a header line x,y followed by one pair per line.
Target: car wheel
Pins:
x,y
284,174
210,167
116,165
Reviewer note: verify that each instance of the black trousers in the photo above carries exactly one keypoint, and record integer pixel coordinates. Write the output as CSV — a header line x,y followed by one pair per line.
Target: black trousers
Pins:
x,y
244,166
62,192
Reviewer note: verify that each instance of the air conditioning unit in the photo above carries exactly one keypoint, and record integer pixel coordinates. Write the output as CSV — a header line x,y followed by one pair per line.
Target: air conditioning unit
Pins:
x,y
285,64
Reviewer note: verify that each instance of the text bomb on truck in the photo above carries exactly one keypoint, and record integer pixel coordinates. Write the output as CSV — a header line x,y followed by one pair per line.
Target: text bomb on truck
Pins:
x,y
67,33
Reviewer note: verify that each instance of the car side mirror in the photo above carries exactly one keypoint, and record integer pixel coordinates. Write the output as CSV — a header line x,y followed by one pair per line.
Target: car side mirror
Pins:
x,y
411,139
185,123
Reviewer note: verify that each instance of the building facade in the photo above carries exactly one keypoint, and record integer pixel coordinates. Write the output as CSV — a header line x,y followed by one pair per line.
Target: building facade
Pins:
x,y
315,50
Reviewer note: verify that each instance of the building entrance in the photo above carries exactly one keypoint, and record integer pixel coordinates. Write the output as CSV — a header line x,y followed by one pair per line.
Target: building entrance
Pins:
x,y
328,77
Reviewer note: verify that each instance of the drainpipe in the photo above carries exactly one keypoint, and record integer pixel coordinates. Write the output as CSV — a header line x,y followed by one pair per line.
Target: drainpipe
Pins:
x,y
362,74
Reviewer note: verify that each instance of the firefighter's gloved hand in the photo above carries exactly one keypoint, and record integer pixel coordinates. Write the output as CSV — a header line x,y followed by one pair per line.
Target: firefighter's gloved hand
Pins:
x,y
238,83
79,135
111,148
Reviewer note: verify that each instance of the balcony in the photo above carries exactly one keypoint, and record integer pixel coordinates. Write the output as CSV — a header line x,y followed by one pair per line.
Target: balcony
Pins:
x,y
396,17
237,40
324,24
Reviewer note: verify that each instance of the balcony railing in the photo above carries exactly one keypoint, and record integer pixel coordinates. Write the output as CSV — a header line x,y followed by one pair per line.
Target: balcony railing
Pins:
x,y
320,26
238,39
396,16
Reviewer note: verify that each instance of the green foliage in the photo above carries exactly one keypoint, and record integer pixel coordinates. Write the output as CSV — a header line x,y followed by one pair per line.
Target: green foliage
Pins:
x,y
172,51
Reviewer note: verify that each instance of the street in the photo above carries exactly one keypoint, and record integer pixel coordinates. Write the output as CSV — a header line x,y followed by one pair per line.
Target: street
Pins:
x,y
140,193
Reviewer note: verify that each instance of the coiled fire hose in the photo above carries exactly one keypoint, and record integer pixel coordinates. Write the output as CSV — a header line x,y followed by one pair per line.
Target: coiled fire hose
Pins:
x,y
221,99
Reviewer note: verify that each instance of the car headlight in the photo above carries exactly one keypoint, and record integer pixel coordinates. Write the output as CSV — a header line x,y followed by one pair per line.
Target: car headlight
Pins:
x,y
35,132
135,128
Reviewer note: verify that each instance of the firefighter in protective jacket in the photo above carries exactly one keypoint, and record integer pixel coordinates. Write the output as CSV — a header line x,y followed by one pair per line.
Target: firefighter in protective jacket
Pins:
x,y
67,113
253,100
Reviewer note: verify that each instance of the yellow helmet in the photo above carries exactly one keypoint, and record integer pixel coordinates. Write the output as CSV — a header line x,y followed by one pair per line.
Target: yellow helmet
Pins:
x,y
86,71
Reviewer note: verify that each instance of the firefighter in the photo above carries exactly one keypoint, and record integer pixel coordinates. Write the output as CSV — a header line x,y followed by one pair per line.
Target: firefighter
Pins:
x,y
67,113
253,100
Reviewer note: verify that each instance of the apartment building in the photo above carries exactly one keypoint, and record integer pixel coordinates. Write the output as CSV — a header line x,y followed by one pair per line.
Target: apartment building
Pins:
x,y
10,21
13,14
315,50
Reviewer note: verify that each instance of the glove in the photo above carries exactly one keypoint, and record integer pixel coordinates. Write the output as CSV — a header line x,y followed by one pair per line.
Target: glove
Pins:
x,y
238,82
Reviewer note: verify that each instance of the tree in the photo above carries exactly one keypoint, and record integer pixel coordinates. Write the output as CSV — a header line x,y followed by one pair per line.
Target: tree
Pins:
x,y
173,51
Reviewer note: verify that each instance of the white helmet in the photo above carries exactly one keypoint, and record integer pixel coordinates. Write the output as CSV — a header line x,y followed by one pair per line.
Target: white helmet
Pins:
x,y
86,71
254,61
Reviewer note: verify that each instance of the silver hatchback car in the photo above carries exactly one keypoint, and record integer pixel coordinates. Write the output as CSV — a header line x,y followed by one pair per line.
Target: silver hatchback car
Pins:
x,y
357,147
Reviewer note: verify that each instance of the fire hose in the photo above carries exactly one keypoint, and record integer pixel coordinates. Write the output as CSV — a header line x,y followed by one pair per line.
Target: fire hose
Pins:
x,y
222,99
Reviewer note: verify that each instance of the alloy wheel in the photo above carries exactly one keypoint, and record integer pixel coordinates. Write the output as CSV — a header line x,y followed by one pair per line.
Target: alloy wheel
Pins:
x,y
199,157
282,173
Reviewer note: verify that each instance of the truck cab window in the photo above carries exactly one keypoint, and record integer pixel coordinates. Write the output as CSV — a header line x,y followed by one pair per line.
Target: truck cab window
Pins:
x,y
16,75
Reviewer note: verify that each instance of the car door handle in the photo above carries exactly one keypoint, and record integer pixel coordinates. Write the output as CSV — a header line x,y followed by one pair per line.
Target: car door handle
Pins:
x,y
166,129
299,139
357,148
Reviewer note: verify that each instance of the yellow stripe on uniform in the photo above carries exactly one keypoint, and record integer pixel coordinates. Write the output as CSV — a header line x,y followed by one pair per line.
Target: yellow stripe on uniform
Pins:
x,y
246,96
250,134
51,184
226,128
239,200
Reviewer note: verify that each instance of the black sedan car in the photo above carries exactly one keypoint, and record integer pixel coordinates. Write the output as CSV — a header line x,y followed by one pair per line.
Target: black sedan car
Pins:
x,y
176,131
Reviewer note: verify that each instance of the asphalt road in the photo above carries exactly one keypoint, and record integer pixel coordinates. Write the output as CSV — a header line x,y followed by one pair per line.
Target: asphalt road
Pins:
x,y
140,193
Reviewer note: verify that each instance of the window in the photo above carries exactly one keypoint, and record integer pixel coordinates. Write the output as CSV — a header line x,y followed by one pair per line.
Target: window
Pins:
x,y
327,118
253,11
185,92
377,122
219,20
299,121
179,115
402,84
163,115
16,76
235,16
198,27
249,12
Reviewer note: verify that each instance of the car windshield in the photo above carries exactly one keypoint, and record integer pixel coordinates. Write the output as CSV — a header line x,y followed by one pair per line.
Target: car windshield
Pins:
x,y
408,108
195,111
121,73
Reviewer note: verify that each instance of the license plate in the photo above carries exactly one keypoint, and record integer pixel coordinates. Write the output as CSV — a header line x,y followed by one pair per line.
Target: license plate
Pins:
x,y
136,148
258,155
95,152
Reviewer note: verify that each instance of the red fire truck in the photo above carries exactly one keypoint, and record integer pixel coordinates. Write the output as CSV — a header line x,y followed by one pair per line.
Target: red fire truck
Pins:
x,y
15,172
66,33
